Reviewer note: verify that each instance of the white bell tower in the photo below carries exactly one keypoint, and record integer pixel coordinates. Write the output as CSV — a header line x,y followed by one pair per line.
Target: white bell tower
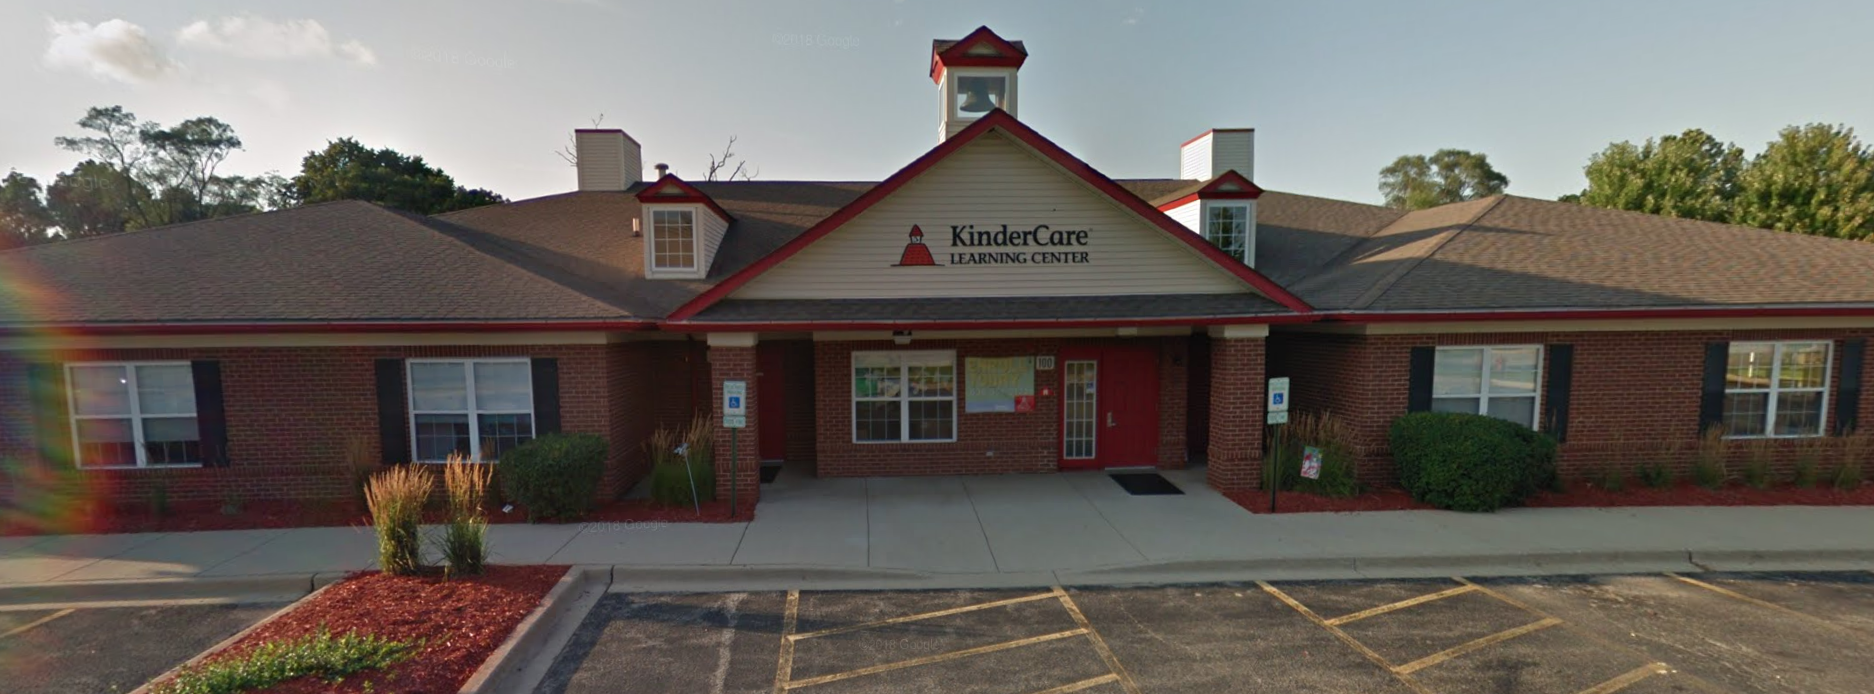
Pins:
x,y
974,75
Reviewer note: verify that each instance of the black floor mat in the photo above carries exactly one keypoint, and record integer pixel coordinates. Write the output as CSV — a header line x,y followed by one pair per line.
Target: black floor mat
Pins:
x,y
1145,483
769,472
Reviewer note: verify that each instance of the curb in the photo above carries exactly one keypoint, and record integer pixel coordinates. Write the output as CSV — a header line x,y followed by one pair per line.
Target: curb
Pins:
x,y
499,672
704,579
1532,563
236,589
1782,560
219,647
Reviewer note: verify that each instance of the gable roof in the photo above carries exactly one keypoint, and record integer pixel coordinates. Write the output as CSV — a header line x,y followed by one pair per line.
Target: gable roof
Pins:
x,y
996,120
340,263
981,48
1228,185
671,189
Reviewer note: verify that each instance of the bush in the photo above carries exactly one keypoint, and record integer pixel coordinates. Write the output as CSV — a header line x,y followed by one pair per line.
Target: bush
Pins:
x,y
1854,453
1808,466
1610,477
1468,462
396,497
1656,475
678,459
555,476
1709,470
465,540
1757,470
322,655
1339,469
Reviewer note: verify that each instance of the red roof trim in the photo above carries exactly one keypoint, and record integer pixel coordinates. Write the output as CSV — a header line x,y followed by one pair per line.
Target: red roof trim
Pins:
x,y
653,195
994,119
323,327
957,55
1602,314
984,324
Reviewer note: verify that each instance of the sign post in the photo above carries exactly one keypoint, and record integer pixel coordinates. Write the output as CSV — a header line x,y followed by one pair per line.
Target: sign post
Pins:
x,y
734,418
1278,415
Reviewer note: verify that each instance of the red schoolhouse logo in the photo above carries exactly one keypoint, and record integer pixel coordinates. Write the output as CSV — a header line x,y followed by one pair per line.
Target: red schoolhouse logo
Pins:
x,y
915,252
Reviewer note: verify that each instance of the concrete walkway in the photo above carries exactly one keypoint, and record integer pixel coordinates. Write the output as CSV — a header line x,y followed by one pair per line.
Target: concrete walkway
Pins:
x,y
1076,528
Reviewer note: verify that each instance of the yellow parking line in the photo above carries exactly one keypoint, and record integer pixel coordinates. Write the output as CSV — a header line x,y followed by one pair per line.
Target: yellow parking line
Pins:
x,y
1083,684
1099,644
785,669
23,628
926,615
1370,654
941,657
1402,604
1727,592
1586,634
1626,680
1462,649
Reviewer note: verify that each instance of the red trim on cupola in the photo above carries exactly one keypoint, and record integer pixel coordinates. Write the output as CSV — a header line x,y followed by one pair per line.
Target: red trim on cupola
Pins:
x,y
996,119
960,54
673,190
1229,186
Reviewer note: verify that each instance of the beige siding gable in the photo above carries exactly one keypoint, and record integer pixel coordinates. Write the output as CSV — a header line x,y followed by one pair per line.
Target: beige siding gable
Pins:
x,y
991,182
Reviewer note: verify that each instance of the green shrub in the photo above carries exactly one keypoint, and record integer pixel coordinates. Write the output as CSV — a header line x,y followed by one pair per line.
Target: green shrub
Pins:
x,y
1709,471
465,539
1468,462
555,476
396,498
1757,469
1854,453
1339,469
1808,467
1610,477
322,655
679,460
1656,475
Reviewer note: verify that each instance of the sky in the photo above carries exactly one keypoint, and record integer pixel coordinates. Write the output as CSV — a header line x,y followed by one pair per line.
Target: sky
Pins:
x,y
839,90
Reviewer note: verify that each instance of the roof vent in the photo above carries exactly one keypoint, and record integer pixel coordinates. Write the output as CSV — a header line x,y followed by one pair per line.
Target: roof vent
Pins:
x,y
662,169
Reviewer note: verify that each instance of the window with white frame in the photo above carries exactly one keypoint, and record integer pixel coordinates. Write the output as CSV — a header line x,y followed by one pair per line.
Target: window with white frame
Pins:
x,y
479,408
134,414
904,396
1496,381
673,239
1776,388
1227,227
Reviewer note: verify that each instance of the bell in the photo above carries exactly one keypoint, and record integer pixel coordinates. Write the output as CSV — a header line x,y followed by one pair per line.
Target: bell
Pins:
x,y
977,99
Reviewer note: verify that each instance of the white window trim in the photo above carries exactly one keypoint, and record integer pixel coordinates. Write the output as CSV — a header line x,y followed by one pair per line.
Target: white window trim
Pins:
x,y
904,400
474,420
1094,450
1249,227
696,269
135,416
1483,385
1776,373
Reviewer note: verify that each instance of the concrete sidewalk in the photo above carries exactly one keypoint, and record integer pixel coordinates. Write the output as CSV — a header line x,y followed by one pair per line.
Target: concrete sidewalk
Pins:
x,y
1076,528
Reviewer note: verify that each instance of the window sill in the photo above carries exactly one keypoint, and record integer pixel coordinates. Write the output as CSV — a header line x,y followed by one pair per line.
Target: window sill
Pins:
x,y
1775,437
170,466
903,443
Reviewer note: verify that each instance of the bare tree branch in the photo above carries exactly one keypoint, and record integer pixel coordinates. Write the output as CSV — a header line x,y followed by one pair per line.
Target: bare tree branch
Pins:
x,y
570,152
717,164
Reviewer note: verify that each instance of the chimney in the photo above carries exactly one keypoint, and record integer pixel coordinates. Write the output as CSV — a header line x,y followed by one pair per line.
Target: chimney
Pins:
x,y
1223,149
608,159
662,170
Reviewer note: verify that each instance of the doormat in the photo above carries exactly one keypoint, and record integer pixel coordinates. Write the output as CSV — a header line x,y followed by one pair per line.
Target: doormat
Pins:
x,y
769,472
1145,484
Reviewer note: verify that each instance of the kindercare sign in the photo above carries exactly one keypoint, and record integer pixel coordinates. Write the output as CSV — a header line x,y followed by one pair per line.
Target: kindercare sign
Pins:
x,y
1001,245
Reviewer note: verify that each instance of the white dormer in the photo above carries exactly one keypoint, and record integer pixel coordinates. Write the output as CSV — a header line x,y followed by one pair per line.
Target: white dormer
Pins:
x,y
682,229
974,75
1223,211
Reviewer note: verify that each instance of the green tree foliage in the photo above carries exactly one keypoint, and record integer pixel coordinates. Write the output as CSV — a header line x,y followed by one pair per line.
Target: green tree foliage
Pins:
x,y
23,214
95,198
1814,179
348,170
1690,175
1415,181
141,174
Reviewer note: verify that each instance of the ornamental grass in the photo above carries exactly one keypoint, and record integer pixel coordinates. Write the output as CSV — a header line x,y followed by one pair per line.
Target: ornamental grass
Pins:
x,y
465,540
396,498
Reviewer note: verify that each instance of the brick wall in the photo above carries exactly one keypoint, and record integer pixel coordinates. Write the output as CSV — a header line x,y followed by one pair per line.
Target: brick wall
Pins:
x,y
680,381
740,463
987,443
1634,399
1237,395
290,410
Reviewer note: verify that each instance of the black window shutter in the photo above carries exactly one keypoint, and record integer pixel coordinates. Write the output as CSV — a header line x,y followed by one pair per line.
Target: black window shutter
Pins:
x,y
546,396
1561,370
393,426
51,431
1711,401
1419,379
1848,396
211,413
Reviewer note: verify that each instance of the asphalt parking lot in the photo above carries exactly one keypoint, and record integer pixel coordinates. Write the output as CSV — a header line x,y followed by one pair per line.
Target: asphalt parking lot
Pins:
x,y
1643,634
109,649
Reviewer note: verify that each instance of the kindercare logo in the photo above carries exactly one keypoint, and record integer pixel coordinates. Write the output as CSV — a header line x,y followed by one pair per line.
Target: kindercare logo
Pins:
x,y
1051,247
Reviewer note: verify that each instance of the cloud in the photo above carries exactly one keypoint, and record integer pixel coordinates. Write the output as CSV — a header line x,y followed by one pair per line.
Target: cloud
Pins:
x,y
1133,18
271,93
114,49
264,39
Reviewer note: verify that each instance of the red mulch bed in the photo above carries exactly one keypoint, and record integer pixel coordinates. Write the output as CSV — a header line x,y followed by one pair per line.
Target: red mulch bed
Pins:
x,y
188,516
458,621
1578,495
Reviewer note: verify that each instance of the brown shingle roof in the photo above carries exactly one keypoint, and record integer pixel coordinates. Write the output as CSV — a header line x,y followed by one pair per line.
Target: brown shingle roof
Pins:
x,y
1054,308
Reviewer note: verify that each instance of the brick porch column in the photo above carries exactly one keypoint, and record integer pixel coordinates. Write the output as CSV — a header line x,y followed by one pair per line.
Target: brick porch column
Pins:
x,y
1237,382
732,358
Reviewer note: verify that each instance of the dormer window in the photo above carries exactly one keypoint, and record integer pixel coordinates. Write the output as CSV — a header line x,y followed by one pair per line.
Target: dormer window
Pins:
x,y
1227,228
978,94
673,240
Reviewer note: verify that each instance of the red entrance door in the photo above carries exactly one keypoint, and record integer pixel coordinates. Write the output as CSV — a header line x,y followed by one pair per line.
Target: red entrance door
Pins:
x,y
1109,406
771,401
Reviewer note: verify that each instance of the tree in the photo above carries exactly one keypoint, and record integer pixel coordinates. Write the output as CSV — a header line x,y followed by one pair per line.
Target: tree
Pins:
x,y
1690,175
347,170
23,215
93,199
718,164
168,175
1415,182
1813,179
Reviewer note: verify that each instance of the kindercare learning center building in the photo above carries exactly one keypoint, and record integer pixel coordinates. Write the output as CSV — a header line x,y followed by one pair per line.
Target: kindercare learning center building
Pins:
x,y
996,306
